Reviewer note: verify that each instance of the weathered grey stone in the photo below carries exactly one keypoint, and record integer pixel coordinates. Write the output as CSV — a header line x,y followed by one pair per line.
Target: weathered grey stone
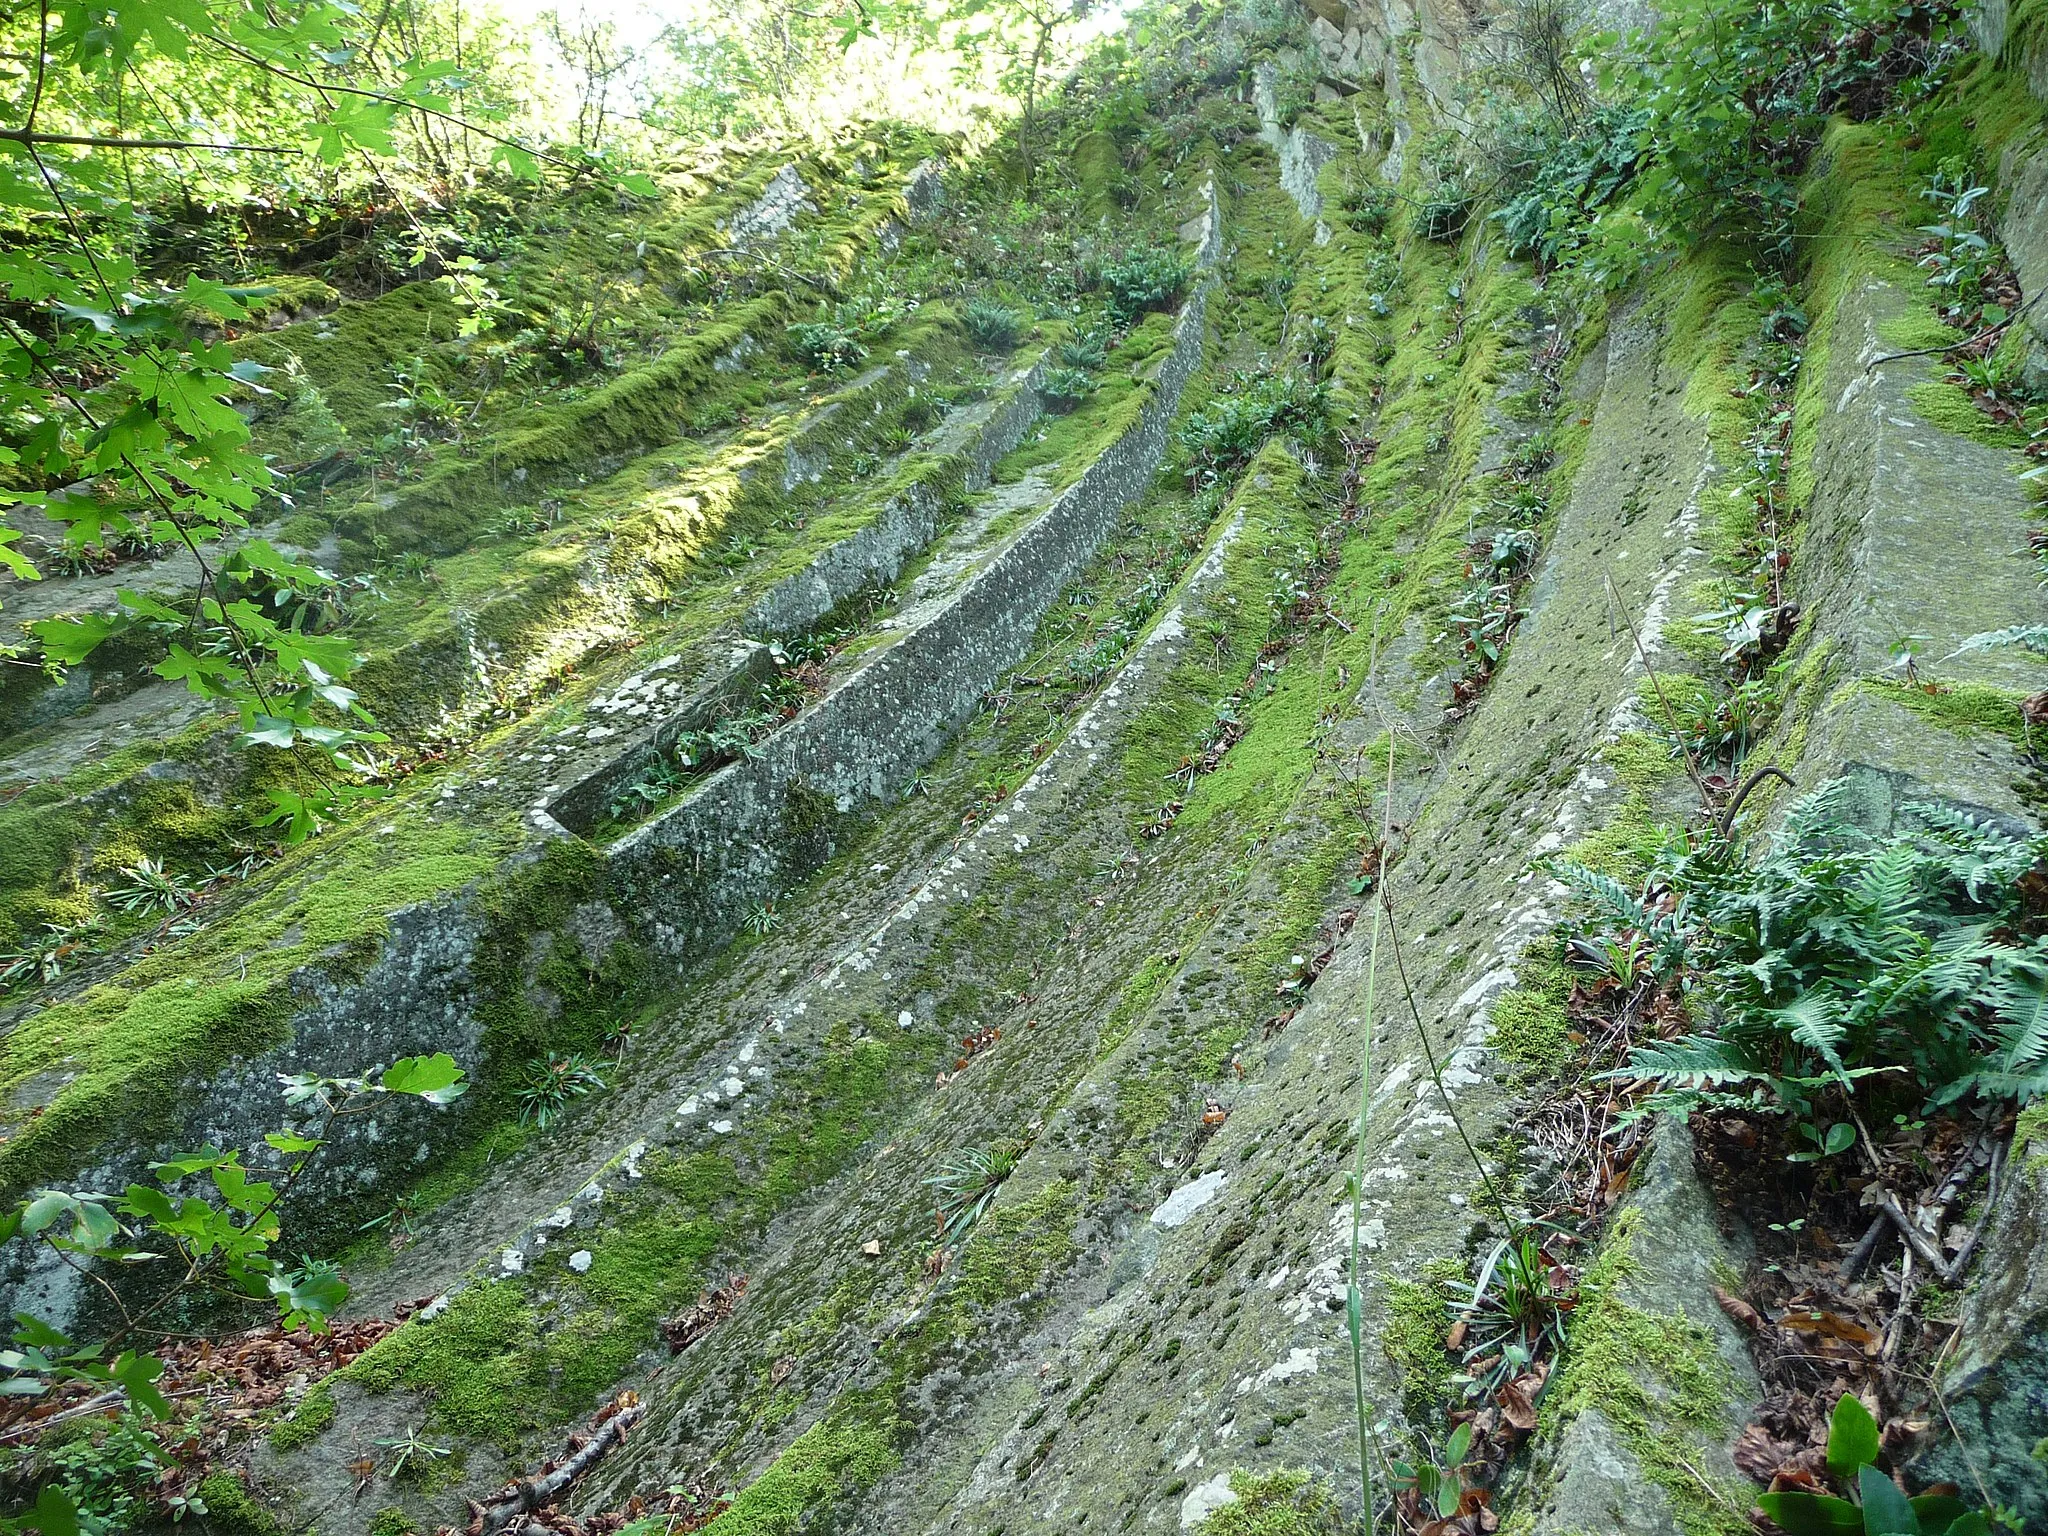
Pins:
x,y
1915,535
772,212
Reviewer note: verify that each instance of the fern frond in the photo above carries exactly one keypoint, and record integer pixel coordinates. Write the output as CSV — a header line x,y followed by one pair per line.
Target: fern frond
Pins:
x,y
1704,1061
2032,637
1814,1020
2022,1015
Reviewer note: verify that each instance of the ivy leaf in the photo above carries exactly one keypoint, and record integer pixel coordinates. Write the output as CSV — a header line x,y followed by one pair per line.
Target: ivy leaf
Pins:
x,y
69,641
436,1078
640,184
137,1375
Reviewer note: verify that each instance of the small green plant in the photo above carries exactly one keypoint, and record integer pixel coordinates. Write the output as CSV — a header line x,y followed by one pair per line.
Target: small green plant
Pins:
x,y
1083,353
1221,438
1879,1508
1958,258
991,326
762,919
150,885
1064,388
1515,1314
1842,960
549,1086
1429,1488
409,1451
44,959
965,1184
1145,279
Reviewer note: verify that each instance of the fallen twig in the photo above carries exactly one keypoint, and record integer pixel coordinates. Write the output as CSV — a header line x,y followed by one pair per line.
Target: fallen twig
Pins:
x,y
532,1493
1956,346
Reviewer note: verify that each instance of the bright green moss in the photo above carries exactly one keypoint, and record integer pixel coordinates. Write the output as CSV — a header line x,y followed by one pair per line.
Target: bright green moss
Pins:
x,y
1961,707
1947,405
840,1456
392,1521
1531,1027
232,1511
1289,1502
1018,1247
1413,1335
477,1365
1139,992
305,1423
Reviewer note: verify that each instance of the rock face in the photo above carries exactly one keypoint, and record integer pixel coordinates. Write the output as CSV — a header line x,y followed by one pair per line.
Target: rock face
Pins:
x,y
990,1044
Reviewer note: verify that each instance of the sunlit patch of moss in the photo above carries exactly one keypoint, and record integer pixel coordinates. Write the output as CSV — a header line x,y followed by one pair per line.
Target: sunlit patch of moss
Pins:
x,y
1018,1246
1289,1502
847,1452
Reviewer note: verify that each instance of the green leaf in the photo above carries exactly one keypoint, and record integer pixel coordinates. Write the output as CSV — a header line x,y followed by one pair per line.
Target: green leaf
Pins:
x,y
1852,1437
291,1141
268,731
437,1078
55,1514
1841,1136
45,1210
22,568
137,1375
1972,1524
1460,1443
308,1297
640,184
1886,1511
1938,1511
1812,1514
70,641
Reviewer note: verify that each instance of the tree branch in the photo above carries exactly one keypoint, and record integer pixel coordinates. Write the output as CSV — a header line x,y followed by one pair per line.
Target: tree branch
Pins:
x,y
91,141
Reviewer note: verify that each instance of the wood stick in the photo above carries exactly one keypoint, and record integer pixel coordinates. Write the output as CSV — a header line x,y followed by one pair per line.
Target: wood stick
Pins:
x,y
532,1493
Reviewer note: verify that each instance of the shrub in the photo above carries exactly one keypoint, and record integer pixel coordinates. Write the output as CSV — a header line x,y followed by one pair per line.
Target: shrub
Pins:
x,y
1911,963
994,327
1064,388
1222,437
1145,279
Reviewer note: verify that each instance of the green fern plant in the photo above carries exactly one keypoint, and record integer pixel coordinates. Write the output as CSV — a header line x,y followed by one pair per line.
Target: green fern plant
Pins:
x,y
1840,958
